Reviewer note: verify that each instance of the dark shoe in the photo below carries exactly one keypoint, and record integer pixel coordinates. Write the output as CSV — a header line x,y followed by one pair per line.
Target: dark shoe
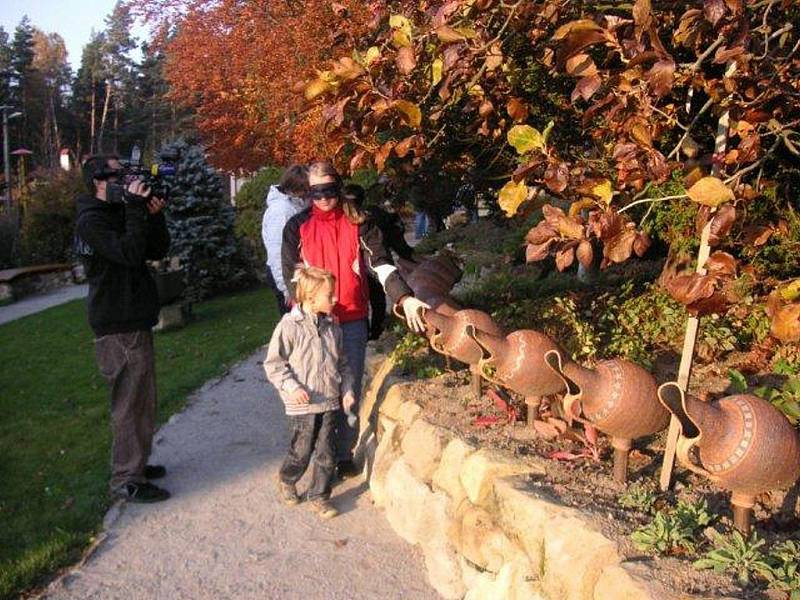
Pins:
x,y
324,508
288,493
346,469
141,493
155,471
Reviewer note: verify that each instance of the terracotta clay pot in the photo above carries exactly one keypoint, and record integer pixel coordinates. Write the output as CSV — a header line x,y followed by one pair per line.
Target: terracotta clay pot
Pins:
x,y
618,397
450,337
435,276
517,361
744,444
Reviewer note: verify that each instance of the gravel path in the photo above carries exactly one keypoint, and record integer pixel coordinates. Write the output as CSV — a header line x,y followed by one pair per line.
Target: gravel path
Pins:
x,y
225,534
33,304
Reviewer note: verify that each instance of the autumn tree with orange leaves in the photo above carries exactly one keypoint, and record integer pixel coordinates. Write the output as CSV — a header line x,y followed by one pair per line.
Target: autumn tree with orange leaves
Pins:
x,y
239,64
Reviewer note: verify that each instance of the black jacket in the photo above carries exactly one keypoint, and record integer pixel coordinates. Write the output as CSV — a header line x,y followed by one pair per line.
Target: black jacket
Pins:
x,y
114,240
377,258
392,230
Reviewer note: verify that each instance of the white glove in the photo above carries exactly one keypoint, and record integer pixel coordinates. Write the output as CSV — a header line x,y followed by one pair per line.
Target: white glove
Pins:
x,y
412,308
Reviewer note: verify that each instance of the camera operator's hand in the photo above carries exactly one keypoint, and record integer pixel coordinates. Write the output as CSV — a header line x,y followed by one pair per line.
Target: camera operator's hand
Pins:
x,y
137,191
155,206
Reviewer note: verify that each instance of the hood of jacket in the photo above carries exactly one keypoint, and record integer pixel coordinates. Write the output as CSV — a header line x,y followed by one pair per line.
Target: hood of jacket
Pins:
x,y
275,195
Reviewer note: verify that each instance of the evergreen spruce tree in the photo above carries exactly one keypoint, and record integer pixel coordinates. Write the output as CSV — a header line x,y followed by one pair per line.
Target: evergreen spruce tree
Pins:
x,y
201,223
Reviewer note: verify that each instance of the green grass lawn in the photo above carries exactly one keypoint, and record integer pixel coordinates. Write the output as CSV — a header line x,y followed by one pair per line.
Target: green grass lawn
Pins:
x,y
54,421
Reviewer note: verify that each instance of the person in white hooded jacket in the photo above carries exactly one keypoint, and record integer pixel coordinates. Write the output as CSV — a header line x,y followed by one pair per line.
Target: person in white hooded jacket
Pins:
x,y
283,202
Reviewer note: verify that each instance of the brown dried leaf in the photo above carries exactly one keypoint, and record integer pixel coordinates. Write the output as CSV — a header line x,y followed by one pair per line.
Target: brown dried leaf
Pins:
x,y
642,14
485,109
404,146
721,224
565,257
661,77
757,235
642,243
543,232
786,323
586,88
606,225
536,252
357,160
517,109
714,10
640,131
585,253
721,264
552,214
570,228
406,60
619,248
556,177
577,35
522,171
581,65
382,154
690,288
547,430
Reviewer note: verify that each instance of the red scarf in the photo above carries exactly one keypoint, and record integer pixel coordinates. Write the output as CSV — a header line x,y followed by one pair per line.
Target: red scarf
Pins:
x,y
329,241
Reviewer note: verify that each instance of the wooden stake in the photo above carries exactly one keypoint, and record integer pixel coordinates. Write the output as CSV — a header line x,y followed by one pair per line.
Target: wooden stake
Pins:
x,y
687,356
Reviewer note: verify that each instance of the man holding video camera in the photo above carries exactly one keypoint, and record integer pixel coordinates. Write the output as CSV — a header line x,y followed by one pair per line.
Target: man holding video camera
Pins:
x,y
121,225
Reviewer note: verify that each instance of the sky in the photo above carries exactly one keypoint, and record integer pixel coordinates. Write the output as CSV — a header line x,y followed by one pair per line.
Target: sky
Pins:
x,y
73,20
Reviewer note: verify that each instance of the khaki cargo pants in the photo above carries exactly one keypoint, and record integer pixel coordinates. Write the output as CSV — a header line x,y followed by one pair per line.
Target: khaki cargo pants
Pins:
x,y
127,361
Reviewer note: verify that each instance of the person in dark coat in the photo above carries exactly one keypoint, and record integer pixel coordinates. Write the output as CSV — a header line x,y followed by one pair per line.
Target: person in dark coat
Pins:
x,y
115,235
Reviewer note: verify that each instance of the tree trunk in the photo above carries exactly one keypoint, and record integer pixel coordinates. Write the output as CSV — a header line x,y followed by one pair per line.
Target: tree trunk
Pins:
x,y
103,117
92,131
56,131
116,125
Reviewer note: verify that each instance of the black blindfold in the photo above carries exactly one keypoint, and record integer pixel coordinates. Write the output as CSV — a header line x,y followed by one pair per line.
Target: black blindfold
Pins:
x,y
324,190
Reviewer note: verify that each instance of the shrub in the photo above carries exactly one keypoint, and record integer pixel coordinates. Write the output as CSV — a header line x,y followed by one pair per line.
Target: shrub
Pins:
x,y
48,221
201,224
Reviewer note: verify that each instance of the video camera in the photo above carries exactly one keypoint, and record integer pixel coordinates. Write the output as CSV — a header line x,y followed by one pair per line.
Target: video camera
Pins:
x,y
158,178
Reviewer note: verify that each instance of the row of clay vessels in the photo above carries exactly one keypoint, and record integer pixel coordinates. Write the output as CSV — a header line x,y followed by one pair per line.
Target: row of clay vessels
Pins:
x,y
741,442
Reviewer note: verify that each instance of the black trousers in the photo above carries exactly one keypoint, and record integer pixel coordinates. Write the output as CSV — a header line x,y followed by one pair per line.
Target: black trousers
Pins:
x,y
377,302
311,435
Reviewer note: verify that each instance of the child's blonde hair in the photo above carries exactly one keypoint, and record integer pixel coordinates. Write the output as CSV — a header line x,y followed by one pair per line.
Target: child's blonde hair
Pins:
x,y
309,280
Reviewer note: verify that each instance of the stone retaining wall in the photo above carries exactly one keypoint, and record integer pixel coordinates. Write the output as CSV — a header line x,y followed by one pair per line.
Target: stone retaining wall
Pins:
x,y
483,534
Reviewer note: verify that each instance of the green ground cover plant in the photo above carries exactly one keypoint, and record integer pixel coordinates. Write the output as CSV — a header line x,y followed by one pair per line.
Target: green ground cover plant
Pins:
x,y
54,430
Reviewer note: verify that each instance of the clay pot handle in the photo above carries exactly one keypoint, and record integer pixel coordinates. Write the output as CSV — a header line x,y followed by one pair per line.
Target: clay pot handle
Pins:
x,y
683,451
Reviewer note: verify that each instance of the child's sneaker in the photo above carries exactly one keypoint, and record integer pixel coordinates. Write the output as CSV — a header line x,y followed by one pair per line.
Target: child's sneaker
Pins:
x,y
324,508
288,493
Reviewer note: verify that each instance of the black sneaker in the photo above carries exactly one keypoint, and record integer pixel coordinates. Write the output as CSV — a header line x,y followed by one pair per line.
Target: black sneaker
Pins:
x,y
346,469
141,493
155,471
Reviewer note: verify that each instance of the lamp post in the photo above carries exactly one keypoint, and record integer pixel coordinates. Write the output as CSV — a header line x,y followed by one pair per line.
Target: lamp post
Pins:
x,y
6,156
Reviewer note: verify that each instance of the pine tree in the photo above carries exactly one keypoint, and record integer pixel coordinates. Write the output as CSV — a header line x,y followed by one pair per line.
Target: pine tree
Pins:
x,y
201,223
21,74
87,96
5,67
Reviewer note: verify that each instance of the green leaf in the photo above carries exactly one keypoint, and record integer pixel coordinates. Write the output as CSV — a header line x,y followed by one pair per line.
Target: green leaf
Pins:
x,y
525,138
738,381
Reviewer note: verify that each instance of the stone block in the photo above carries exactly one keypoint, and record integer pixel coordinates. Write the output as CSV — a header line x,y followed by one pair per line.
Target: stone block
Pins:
x,y
512,582
385,455
446,476
480,470
408,412
422,448
441,557
373,389
394,398
470,574
444,570
483,543
575,554
406,501
629,581
524,517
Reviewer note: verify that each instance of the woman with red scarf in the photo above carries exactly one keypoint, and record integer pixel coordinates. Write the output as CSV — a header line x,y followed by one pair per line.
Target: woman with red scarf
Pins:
x,y
335,236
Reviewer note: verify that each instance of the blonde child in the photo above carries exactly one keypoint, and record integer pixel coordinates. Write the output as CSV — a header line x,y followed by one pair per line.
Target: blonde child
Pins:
x,y
305,362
